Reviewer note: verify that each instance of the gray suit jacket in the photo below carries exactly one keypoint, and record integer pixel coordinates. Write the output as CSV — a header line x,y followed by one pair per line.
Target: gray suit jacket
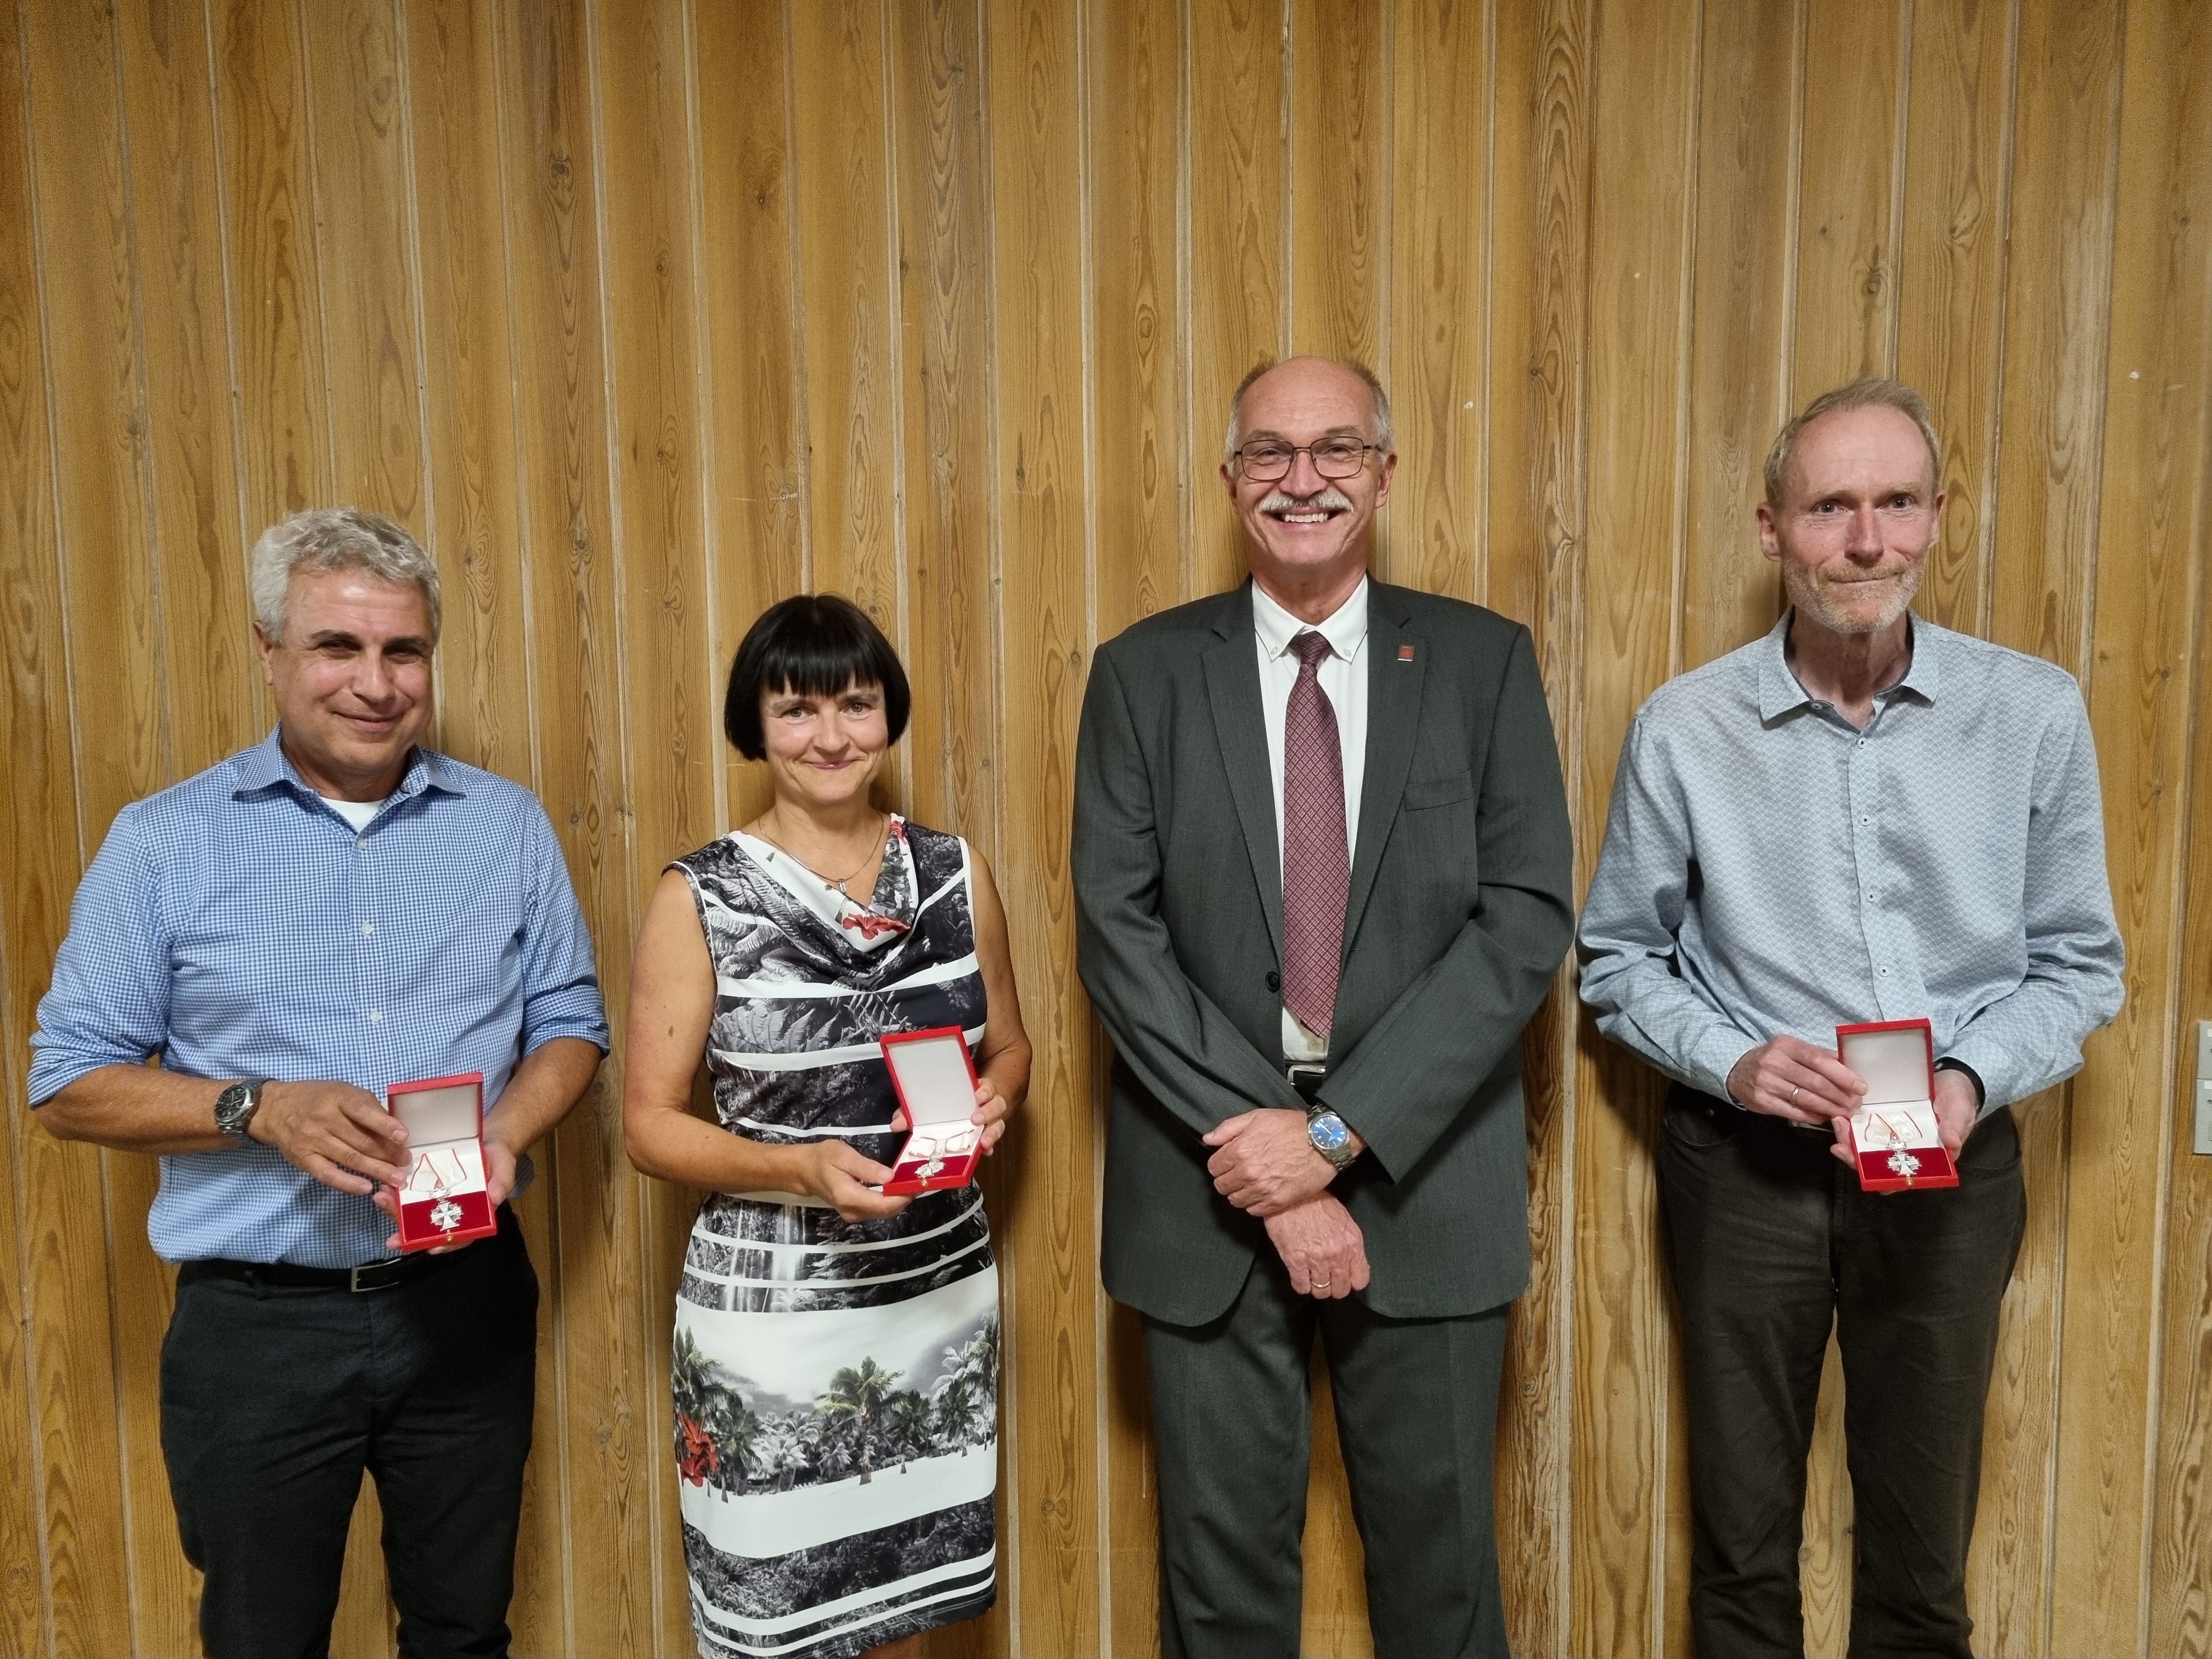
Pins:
x,y
1461,909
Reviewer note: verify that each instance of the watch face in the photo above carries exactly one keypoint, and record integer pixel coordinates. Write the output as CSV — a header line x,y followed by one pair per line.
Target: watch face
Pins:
x,y
1326,1132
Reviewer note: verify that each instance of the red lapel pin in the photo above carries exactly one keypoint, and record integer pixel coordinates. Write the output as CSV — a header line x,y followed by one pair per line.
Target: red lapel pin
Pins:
x,y
1405,653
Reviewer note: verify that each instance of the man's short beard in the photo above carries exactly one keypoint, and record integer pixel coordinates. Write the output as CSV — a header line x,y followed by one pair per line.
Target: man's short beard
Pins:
x,y
1811,600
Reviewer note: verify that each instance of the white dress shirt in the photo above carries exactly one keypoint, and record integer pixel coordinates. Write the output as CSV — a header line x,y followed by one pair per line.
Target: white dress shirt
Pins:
x,y
1344,681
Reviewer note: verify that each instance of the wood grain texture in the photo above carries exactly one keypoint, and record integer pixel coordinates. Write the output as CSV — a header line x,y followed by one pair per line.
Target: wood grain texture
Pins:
x,y
1738,385
1951,275
270,239
1237,171
607,1436
39,857
1043,1197
1438,372
647,313
756,534
371,372
1847,194
1642,214
96,411
846,238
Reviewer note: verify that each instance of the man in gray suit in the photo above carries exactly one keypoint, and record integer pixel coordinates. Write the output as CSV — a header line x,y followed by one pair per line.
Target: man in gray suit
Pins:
x,y
1322,871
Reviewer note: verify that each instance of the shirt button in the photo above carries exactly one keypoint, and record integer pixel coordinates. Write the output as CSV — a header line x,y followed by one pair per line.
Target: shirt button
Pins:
x,y
368,928
360,841
1865,820
376,1015
1885,973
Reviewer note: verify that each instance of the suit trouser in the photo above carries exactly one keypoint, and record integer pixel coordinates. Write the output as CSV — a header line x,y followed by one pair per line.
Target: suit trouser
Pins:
x,y
1417,1416
1771,1241
274,1401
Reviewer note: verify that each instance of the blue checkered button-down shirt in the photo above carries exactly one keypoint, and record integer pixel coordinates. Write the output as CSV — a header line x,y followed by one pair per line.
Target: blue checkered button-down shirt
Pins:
x,y
239,927
1769,868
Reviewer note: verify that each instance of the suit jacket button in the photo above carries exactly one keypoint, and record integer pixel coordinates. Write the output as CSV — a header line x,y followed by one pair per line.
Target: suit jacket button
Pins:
x,y
1274,981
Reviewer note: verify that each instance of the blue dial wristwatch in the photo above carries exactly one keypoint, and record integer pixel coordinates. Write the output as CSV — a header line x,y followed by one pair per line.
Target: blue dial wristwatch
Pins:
x,y
1328,1135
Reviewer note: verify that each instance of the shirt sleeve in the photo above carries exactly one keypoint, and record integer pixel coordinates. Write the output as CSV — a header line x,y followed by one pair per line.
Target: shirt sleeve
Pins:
x,y
1627,943
2030,1037
560,980
109,1002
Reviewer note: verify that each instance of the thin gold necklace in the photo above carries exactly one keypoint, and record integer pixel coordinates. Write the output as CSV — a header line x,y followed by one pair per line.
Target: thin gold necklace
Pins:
x,y
836,886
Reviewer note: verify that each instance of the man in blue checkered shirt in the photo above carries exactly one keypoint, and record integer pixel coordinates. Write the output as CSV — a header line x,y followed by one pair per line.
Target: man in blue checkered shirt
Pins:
x,y
330,912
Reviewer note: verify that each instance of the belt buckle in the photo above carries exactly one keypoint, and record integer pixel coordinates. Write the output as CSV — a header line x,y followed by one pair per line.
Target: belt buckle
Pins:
x,y
1305,1074
365,1277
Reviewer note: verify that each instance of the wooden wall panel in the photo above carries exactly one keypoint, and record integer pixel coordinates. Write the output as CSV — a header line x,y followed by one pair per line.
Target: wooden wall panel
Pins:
x,y
647,313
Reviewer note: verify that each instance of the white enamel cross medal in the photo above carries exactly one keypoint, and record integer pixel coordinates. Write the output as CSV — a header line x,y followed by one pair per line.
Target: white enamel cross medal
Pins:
x,y
445,1215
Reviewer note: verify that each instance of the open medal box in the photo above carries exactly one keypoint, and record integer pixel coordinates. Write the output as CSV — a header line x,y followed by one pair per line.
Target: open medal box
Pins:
x,y
443,1199
936,1083
1895,1134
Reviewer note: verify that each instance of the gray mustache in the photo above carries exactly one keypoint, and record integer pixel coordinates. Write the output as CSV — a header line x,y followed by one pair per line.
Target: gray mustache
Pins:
x,y
1326,500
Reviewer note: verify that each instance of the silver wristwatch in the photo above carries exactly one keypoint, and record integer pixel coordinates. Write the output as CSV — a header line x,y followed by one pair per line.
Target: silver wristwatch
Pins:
x,y
1329,1135
235,1106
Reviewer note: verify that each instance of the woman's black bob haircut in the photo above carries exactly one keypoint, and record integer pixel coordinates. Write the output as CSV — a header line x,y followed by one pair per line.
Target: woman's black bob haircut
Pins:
x,y
815,644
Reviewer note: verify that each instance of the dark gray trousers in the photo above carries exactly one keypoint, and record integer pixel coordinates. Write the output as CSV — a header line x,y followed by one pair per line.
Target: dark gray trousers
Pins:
x,y
274,1401
1417,1416
1771,1243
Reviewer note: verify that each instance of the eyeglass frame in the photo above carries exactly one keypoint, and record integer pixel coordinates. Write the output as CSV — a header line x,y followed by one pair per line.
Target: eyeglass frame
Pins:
x,y
1244,470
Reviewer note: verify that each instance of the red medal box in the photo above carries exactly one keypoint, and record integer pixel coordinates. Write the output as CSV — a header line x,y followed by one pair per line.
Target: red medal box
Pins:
x,y
1895,1132
936,1083
443,1201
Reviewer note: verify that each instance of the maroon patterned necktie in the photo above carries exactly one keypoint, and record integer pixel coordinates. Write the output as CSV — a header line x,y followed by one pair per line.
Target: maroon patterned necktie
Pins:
x,y
1316,856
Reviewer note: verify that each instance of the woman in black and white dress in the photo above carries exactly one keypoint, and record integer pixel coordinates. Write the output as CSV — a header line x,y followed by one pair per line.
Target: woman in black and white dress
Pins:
x,y
835,1357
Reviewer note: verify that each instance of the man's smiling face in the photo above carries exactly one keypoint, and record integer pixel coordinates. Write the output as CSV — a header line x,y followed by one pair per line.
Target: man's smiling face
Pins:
x,y
1302,528
351,679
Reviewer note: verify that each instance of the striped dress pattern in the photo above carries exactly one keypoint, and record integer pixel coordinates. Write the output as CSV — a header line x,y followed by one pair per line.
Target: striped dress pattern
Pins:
x,y
835,1383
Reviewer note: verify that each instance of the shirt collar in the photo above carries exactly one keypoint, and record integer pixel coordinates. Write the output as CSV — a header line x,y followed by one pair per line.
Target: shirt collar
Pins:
x,y
1779,691
266,765
1344,629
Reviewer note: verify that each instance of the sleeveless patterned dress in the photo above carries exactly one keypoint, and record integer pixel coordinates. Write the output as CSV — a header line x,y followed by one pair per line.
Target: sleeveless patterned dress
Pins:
x,y
836,1382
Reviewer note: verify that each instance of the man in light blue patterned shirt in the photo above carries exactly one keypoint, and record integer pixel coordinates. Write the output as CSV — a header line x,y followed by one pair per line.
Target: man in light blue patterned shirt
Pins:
x,y
333,911
1860,817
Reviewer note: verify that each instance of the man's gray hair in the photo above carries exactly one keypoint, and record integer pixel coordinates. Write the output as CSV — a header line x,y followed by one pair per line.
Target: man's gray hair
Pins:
x,y
336,539
1868,391
1235,439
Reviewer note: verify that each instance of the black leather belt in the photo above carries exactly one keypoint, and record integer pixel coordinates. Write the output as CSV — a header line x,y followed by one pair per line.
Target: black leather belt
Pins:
x,y
1306,1076
1680,1094
380,1275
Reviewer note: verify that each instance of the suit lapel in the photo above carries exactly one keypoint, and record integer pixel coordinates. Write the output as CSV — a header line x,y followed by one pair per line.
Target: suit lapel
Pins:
x,y
1394,705
1240,725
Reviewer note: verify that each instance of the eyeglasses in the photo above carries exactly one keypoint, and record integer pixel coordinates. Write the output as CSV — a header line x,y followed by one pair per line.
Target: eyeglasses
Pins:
x,y
1265,459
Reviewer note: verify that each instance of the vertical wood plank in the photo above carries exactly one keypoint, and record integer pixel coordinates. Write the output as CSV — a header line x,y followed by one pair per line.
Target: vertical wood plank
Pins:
x,y
1237,275
1147,462
844,232
209,670
1339,189
371,372
642,141
1730,593
1951,277
476,534
610,1404
1846,246
38,858
260,113
939,109
1539,306
1643,117
1044,1196
1439,300
2057,272
97,411
752,388
2148,556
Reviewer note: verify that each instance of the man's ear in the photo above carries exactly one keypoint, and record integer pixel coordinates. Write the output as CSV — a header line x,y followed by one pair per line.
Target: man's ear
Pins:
x,y
1770,543
264,645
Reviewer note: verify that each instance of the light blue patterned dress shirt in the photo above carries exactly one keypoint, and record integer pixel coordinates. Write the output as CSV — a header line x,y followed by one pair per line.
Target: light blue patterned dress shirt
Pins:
x,y
239,927
1769,868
